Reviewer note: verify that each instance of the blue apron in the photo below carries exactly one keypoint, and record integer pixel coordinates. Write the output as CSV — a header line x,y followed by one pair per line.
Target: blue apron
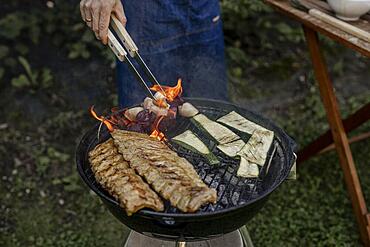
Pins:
x,y
177,39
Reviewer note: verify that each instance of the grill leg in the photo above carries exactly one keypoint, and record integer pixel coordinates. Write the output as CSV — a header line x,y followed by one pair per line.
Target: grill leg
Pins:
x,y
247,241
124,243
180,244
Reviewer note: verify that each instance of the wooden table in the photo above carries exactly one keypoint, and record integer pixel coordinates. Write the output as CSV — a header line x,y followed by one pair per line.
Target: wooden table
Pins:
x,y
338,127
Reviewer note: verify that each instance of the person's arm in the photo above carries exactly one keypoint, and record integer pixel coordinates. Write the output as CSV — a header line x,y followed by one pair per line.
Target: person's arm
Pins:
x,y
96,14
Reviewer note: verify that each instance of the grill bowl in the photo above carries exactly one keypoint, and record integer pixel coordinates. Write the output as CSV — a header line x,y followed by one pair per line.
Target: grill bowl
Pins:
x,y
239,199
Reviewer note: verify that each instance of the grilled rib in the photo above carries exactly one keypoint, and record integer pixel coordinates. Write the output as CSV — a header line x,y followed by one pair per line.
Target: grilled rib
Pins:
x,y
173,177
121,181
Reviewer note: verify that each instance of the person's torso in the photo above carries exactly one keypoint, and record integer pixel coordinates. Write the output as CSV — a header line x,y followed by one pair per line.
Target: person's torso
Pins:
x,y
162,24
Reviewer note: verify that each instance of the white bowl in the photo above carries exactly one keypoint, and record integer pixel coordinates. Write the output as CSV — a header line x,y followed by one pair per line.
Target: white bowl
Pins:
x,y
350,10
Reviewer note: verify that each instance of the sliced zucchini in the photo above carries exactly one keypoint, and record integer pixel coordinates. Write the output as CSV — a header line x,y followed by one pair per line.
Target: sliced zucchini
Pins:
x,y
231,149
218,132
190,141
236,121
257,147
247,169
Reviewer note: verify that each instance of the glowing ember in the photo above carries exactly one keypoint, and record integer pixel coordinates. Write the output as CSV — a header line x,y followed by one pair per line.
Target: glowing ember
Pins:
x,y
102,119
171,92
156,132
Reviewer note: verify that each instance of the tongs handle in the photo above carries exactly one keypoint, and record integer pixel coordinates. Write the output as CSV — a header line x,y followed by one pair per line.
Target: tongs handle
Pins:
x,y
131,49
116,47
121,53
124,36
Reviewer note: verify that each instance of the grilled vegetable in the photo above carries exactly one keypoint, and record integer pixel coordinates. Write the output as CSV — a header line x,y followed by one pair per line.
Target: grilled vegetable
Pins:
x,y
131,113
187,110
218,132
257,147
159,111
247,169
173,177
236,121
121,181
190,141
231,149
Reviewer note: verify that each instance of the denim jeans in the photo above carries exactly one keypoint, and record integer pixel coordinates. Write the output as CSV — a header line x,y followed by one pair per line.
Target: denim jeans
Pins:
x,y
177,39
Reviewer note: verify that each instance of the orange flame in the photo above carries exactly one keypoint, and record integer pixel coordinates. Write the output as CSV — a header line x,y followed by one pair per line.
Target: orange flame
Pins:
x,y
161,103
171,92
102,119
156,132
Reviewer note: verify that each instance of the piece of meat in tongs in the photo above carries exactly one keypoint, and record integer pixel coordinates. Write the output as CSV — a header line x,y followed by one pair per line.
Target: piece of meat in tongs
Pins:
x,y
121,181
173,177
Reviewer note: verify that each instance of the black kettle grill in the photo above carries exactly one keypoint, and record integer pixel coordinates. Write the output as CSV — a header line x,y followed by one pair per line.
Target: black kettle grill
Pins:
x,y
239,199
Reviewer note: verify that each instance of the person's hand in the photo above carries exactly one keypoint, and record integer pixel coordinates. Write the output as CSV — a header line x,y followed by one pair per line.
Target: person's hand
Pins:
x,y
96,14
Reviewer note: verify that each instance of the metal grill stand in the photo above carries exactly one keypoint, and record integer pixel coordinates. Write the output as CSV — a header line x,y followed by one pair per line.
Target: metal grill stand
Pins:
x,y
239,238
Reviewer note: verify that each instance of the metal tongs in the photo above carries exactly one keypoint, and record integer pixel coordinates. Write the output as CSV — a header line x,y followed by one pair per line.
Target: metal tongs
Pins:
x,y
131,49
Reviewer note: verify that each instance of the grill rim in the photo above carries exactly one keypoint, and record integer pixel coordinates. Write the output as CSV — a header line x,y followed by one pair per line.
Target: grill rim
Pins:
x,y
283,137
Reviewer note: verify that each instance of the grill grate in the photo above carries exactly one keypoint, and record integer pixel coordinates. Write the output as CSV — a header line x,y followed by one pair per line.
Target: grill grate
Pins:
x,y
231,190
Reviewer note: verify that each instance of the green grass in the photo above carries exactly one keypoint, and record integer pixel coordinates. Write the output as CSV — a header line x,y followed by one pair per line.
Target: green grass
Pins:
x,y
314,210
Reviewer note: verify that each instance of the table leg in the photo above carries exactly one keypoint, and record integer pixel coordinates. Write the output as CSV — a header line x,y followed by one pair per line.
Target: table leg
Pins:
x,y
339,135
326,139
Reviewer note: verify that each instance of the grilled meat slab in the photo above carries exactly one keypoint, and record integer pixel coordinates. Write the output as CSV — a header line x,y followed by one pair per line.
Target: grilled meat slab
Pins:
x,y
121,181
173,177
